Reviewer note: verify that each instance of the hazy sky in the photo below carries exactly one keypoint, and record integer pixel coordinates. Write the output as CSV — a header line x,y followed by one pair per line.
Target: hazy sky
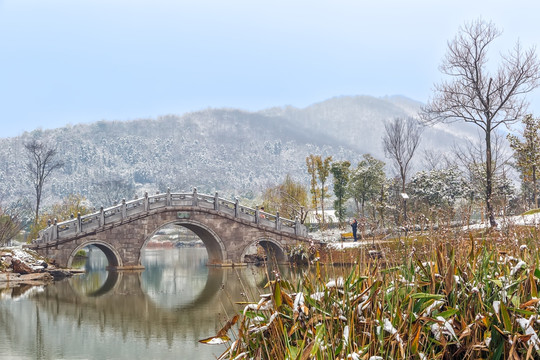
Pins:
x,y
66,61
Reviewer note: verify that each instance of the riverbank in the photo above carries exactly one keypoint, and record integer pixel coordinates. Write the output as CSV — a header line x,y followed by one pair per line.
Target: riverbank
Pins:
x,y
19,266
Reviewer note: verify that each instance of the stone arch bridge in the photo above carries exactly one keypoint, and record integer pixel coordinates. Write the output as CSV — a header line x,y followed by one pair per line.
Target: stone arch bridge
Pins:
x,y
226,228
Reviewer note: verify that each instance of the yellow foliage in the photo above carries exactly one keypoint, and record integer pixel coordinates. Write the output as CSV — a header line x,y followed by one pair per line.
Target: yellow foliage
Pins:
x,y
71,205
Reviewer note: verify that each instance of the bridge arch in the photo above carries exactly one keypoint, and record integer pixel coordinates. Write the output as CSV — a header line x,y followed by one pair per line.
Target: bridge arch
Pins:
x,y
272,247
112,255
213,243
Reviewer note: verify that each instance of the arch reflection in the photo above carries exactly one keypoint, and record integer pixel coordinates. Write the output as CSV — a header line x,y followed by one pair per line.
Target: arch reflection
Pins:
x,y
179,278
136,308
172,279
96,280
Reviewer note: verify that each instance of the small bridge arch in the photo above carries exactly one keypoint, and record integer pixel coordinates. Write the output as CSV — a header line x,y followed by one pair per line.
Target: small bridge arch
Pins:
x,y
113,257
273,248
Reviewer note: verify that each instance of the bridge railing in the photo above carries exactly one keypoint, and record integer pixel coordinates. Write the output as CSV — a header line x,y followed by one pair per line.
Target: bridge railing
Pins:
x,y
139,207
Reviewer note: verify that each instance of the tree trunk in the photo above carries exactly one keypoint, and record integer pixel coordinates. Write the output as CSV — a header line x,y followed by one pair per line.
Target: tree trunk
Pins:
x,y
403,179
38,203
535,192
489,180
322,203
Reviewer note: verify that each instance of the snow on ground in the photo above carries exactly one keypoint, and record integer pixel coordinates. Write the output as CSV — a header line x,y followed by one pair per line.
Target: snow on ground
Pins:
x,y
19,253
28,257
518,220
329,235
333,238
348,244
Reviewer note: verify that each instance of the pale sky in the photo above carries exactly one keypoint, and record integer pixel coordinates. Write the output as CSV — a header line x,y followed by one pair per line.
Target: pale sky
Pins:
x,y
73,61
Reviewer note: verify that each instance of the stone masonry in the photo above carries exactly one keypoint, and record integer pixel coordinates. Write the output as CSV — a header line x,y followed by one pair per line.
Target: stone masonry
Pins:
x,y
226,237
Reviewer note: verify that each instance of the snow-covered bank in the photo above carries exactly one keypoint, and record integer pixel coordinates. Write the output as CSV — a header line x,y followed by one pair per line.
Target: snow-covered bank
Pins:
x,y
23,266
332,238
517,220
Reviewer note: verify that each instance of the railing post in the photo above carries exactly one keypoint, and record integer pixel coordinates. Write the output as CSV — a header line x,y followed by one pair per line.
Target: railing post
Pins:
x,y
101,217
296,226
124,209
216,202
257,215
146,202
79,223
55,229
169,197
278,225
195,200
236,207
44,235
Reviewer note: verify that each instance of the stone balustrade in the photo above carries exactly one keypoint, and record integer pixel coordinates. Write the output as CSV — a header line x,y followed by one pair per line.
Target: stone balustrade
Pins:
x,y
145,206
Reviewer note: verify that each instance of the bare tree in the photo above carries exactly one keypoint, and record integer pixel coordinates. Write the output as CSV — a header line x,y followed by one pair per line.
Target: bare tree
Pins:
x,y
41,163
400,141
435,160
475,95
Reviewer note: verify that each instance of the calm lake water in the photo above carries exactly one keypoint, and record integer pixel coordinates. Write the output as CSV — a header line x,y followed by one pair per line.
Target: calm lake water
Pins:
x,y
159,313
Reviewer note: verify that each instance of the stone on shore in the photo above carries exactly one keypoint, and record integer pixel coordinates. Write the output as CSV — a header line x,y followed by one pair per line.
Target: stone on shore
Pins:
x,y
21,267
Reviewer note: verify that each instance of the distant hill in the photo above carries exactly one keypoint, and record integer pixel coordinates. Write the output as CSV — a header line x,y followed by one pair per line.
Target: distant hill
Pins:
x,y
234,152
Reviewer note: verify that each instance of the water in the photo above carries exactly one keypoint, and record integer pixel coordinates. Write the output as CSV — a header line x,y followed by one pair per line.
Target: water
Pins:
x,y
159,313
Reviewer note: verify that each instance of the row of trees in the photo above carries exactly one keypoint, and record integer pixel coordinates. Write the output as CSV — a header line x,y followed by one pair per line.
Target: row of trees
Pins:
x,y
472,93
453,187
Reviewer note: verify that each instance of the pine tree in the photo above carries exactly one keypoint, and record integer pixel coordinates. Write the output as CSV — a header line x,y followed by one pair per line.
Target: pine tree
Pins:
x,y
340,170
527,153
365,182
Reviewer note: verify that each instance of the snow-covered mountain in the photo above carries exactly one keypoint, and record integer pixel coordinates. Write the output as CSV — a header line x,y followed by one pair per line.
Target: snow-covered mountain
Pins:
x,y
234,152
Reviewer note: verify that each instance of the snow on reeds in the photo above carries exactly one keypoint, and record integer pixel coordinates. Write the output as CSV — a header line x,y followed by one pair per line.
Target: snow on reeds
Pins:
x,y
466,298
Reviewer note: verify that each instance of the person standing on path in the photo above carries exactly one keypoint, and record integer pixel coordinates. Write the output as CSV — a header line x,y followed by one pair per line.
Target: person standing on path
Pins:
x,y
354,225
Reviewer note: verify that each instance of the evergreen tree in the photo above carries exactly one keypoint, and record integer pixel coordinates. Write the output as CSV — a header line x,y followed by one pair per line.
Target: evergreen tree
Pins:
x,y
365,182
340,170
527,154
436,191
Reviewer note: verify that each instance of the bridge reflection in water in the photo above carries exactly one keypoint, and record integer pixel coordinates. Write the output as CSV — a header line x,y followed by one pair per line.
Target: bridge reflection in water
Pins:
x,y
159,313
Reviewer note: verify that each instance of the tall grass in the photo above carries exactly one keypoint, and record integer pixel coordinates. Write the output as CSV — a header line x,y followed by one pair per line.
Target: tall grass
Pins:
x,y
450,296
